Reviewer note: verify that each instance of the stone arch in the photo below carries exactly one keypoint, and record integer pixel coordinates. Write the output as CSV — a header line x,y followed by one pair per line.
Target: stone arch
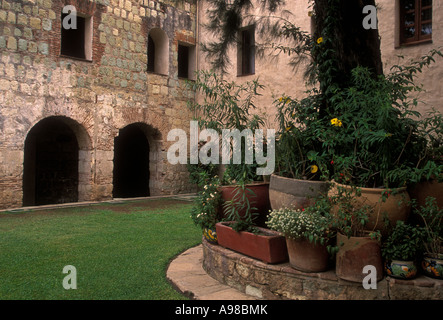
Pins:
x,y
57,162
136,154
158,51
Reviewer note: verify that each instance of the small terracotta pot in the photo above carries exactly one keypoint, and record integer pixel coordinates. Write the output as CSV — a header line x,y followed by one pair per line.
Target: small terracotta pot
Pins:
x,y
306,256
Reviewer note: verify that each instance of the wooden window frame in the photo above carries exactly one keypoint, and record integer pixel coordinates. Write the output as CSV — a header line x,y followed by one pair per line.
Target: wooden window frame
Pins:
x,y
418,37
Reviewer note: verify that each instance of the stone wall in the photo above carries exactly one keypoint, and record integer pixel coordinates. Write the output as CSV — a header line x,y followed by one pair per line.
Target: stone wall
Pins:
x,y
94,98
282,282
274,72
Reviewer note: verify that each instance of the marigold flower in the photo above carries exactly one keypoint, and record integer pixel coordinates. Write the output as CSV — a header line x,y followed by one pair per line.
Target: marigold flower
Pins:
x,y
319,40
336,122
314,168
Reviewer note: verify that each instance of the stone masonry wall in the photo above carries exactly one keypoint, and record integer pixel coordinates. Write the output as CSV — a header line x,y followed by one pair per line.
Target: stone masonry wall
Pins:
x,y
95,98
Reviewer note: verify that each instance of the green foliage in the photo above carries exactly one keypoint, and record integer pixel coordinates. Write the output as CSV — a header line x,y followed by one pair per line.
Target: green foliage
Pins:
x,y
432,217
228,105
240,211
404,243
204,213
349,215
299,151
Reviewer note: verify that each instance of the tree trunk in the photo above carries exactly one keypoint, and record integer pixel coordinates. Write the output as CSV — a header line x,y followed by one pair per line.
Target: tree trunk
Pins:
x,y
353,44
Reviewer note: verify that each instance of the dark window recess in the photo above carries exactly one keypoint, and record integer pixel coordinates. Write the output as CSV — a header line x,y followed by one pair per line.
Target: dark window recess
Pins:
x,y
416,21
151,54
183,61
247,52
73,40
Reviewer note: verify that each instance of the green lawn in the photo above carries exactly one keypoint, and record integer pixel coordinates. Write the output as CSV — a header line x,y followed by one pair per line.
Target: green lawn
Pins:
x,y
120,251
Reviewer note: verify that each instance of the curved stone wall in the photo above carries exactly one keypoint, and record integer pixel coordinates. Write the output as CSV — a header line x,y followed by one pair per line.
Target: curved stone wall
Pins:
x,y
281,281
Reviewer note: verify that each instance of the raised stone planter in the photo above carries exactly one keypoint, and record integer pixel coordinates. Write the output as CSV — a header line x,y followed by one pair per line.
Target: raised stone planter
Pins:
x,y
281,281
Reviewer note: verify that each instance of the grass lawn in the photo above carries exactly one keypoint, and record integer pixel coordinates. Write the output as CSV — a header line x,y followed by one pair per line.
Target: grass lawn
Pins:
x,y
120,251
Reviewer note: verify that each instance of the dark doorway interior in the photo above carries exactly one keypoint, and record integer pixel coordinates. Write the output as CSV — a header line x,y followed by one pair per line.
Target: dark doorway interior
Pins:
x,y
50,164
131,163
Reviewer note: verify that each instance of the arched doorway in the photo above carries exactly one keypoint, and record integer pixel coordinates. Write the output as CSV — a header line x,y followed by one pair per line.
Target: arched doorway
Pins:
x,y
131,163
51,163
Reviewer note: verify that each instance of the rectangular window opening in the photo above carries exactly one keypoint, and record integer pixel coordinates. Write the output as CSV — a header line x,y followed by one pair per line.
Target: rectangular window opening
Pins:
x,y
246,52
76,40
186,61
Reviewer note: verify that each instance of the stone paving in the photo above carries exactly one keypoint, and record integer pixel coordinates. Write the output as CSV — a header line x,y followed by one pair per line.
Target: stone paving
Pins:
x,y
186,274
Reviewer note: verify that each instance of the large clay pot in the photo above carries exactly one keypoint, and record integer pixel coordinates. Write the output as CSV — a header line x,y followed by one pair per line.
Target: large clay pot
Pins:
x,y
425,189
259,200
294,193
354,254
268,246
306,256
396,207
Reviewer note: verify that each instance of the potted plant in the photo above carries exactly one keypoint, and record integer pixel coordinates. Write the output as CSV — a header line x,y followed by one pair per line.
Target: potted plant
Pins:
x,y
308,235
427,177
374,137
356,246
239,233
229,106
301,174
204,212
402,249
432,216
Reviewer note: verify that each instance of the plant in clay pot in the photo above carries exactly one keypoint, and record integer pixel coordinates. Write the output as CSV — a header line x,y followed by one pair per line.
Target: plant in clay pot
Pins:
x,y
402,249
356,246
307,233
432,218
228,106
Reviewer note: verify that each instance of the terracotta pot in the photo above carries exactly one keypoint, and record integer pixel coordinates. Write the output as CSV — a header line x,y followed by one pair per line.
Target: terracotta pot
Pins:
x,y
395,208
401,269
286,192
433,267
269,246
354,254
425,189
260,200
306,256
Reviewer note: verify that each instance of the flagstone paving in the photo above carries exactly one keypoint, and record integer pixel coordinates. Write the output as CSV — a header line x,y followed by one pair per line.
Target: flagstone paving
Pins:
x,y
186,273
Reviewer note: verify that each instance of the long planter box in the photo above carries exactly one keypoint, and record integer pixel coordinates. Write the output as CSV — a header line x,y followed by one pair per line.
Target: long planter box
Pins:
x,y
268,246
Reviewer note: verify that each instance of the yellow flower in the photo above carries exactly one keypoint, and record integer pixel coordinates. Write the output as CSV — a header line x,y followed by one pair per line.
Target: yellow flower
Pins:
x,y
314,168
336,122
310,13
288,128
320,40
